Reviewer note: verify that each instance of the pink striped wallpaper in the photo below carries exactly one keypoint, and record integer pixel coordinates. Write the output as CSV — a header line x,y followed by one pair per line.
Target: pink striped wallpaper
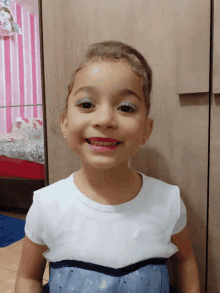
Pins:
x,y
20,72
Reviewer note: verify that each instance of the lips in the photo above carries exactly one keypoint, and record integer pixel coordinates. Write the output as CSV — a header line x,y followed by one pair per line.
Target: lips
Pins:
x,y
102,139
88,141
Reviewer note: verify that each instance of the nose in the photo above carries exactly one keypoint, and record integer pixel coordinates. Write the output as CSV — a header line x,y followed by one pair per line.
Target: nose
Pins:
x,y
105,116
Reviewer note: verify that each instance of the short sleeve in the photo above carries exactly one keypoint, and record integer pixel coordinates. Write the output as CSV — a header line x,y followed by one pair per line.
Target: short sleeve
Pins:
x,y
182,221
34,226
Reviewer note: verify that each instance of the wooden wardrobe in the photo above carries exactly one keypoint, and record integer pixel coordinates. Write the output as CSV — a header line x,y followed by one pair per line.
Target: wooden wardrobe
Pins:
x,y
181,41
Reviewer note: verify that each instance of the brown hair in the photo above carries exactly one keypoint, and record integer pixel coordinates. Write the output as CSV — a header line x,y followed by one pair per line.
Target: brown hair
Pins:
x,y
116,51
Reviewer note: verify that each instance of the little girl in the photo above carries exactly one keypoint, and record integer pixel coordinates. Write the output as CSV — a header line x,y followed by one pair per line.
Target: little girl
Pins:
x,y
106,228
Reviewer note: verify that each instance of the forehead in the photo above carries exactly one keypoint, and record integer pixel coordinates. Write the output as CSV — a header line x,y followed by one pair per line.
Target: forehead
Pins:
x,y
108,75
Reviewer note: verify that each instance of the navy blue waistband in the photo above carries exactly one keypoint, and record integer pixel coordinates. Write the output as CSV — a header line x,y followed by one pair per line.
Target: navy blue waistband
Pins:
x,y
106,270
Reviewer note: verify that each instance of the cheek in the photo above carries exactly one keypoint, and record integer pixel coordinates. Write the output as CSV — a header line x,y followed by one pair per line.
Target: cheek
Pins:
x,y
133,131
75,134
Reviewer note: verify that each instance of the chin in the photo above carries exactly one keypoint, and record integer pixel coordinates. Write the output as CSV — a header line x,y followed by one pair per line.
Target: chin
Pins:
x,y
104,164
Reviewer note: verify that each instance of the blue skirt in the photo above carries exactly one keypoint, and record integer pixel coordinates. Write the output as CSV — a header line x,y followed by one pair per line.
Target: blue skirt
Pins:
x,y
148,276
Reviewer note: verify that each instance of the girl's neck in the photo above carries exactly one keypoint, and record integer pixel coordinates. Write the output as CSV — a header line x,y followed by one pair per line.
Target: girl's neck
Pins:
x,y
106,178
105,190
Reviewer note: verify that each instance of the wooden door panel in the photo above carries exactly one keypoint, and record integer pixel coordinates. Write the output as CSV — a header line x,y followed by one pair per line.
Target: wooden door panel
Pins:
x,y
214,183
177,150
216,48
193,46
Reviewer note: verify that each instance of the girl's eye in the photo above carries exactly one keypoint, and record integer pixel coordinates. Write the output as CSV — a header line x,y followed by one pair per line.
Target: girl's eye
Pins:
x,y
124,106
85,103
129,107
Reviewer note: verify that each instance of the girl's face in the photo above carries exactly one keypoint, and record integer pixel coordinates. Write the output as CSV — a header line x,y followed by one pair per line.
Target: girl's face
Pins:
x,y
110,110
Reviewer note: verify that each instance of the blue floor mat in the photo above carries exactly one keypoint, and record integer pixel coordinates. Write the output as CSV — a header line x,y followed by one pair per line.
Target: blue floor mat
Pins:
x,y
11,230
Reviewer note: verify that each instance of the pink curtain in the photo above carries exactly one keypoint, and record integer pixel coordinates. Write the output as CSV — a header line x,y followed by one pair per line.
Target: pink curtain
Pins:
x,y
20,70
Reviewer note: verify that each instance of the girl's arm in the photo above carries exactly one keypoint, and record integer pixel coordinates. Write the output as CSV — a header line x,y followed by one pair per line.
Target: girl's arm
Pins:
x,y
28,285
31,267
188,276
184,263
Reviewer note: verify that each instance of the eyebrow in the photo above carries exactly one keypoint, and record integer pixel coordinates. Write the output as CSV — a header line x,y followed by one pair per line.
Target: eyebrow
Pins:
x,y
124,92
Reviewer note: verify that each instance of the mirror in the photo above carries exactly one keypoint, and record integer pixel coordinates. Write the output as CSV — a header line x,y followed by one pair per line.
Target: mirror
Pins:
x,y
21,106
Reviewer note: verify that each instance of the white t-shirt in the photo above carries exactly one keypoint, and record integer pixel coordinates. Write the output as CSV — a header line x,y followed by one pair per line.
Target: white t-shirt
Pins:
x,y
75,227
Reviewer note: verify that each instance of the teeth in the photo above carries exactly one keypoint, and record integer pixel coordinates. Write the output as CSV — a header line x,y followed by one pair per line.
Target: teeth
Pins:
x,y
102,143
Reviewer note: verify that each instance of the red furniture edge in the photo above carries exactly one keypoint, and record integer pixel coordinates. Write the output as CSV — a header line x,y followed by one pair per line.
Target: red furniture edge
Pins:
x,y
16,168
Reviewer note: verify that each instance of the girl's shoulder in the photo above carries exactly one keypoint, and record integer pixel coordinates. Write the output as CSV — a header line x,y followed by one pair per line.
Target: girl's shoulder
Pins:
x,y
157,182
53,191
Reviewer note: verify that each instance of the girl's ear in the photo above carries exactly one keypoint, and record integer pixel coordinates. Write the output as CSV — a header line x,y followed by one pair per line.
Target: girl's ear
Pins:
x,y
148,128
63,122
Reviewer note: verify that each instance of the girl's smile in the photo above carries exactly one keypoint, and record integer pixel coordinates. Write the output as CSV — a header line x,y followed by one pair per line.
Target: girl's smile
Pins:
x,y
102,147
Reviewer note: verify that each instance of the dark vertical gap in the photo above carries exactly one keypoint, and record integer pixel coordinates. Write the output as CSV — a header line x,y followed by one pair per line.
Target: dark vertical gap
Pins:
x,y
43,93
209,131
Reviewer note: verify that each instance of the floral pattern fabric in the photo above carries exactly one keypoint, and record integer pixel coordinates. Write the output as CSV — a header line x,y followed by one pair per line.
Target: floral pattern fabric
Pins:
x,y
26,142
7,25
32,128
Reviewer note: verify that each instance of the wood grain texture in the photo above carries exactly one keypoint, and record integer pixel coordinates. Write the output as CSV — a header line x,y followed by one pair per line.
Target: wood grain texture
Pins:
x,y
214,183
216,48
214,199
193,46
177,151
